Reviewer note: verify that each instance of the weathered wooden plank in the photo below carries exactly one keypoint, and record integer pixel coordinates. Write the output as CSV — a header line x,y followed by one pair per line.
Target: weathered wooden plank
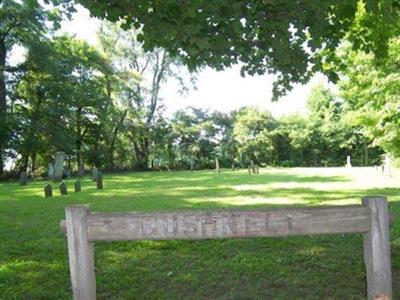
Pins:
x,y
227,224
80,254
377,250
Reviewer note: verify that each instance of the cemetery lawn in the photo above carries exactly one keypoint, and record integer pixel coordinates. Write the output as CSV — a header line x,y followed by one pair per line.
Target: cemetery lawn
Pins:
x,y
33,251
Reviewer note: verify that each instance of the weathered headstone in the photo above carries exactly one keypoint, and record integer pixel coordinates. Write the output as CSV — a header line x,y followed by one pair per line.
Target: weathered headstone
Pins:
x,y
59,166
63,188
217,165
23,180
99,181
67,173
77,186
348,163
94,174
50,171
48,191
387,165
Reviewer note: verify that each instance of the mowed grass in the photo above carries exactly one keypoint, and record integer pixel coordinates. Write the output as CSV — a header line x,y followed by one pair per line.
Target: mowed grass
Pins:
x,y
33,251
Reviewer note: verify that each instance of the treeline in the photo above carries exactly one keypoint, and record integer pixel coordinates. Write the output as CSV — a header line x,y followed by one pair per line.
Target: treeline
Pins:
x,y
102,107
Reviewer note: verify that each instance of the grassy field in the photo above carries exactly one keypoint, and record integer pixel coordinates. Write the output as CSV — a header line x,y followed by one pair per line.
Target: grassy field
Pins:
x,y
33,252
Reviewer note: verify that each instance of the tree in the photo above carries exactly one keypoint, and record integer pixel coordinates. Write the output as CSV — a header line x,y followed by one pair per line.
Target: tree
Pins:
x,y
252,130
142,75
292,39
60,100
21,23
371,95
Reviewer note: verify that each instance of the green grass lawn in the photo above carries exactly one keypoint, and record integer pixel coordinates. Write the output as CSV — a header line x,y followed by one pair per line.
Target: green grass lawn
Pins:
x,y
33,252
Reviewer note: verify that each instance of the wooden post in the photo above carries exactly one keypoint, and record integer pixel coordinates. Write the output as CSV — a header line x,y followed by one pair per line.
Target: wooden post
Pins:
x,y
377,250
80,253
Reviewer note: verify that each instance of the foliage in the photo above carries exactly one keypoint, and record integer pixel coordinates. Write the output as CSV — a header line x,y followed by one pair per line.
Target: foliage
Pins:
x,y
371,95
23,23
292,39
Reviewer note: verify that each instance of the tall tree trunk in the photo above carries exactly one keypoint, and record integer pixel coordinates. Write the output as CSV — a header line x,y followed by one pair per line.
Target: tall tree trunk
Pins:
x,y
78,142
114,139
3,104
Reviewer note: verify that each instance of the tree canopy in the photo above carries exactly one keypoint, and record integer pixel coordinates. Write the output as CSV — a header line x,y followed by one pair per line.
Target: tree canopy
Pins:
x,y
292,39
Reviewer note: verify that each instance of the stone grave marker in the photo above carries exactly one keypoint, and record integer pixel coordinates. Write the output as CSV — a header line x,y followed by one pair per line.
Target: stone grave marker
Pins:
x,y
59,166
387,165
63,188
48,191
50,171
77,186
23,180
348,163
67,173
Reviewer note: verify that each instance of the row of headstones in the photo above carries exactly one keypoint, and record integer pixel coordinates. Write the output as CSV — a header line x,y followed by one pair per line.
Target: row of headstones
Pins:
x,y
385,168
48,189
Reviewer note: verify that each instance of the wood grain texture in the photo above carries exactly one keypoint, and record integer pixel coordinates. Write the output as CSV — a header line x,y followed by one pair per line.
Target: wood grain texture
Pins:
x,y
227,224
377,250
80,254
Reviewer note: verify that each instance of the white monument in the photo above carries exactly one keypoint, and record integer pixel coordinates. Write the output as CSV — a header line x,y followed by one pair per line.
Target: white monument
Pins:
x,y
387,165
348,164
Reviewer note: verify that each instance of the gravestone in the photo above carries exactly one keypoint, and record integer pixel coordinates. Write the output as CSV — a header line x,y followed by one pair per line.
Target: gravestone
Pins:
x,y
348,163
63,188
94,174
50,171
58,166
217,165
99,181
387,165
23,180
67,173
48,191
77,186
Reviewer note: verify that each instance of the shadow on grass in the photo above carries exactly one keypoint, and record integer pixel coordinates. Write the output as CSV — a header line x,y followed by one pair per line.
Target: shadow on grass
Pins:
x,y
33,258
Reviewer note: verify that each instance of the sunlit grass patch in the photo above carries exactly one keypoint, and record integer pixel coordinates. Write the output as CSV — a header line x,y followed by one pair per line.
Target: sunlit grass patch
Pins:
x,y
33,253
